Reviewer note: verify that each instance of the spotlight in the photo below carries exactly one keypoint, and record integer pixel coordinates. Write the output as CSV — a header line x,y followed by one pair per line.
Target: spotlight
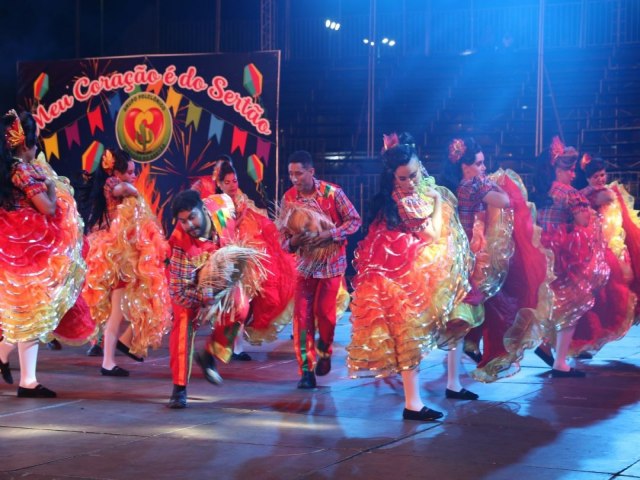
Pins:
x,y
392,43
385,40
327,23
332,25
337,26
365,41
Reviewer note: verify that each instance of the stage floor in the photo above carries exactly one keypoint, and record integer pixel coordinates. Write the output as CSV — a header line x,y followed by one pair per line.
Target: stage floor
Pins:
x,y
257,425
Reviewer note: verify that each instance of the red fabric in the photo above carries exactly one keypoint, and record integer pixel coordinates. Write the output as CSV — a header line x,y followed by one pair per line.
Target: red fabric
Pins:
x,y
632,241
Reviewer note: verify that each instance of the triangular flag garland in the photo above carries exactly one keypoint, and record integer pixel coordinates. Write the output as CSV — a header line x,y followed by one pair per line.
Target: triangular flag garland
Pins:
x,y
95,119
239,140
72,133
215,128
51,146
114,105
173,100
193,115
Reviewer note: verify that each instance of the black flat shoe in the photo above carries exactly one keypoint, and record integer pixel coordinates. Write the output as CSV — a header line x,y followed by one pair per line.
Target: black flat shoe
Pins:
x,y
242,356
573,373
6,372
95,351
475,356
114,372
124,349
585,356
178,397
54,345
323,366
463,394
307,381
208,365
544,356
38,392
424,415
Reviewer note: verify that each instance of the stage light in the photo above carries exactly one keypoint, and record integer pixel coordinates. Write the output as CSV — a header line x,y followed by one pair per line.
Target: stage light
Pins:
x,y
385,40
327,23
392,43
365,41
337,26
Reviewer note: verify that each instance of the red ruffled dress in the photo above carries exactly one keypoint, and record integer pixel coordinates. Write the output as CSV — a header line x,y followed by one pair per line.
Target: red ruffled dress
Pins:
x,y
615,305
41,264
405,286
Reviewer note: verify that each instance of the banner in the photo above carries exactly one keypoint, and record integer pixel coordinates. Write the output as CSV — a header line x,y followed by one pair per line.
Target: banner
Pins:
x,y
177,113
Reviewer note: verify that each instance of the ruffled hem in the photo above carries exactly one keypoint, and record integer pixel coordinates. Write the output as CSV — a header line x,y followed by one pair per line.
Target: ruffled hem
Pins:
x,y
404,291
132,251
76,327
526,299
41,266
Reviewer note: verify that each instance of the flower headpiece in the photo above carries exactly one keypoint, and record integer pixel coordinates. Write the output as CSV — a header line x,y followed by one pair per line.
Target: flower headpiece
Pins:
x,y
15,133
584,161
108,161
557,149
390,141
457,149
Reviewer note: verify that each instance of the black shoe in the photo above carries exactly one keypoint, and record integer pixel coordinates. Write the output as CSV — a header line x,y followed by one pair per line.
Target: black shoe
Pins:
x,y
114,372
307,381
424,415
54,345
475,356
178,397
572,373
38,392
585,356
463,394
242,356
208,365
95,351
323,366
124,349
544,356
6,372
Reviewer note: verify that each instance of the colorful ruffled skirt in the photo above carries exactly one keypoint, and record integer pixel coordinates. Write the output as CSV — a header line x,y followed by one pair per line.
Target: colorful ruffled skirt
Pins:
x,y
41,267
404,289
131,254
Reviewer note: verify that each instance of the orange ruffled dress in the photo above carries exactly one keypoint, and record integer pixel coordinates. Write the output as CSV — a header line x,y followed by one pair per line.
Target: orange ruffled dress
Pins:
x,y
405,286
41,265
272,306
515,315
132,251
616,304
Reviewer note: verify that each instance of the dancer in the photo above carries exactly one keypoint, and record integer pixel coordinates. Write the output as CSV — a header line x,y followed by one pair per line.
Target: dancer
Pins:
x,y
205,229
572,231
464,173
513,271
315,217
41,266
616,304
410,267
126,273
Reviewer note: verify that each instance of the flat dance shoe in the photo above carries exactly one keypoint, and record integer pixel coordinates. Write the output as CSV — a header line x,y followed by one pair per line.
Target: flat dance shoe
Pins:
x,y
124,349
573,373
114,372
463,394
424,415
37,392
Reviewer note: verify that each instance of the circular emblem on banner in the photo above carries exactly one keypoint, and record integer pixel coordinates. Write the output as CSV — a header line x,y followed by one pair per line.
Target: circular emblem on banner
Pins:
x,y
144,127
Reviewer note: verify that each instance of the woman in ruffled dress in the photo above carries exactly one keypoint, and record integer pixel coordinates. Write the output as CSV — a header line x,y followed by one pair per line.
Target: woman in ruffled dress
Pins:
x,y
41,265
616,306
510,297
126,264
572,230
411,271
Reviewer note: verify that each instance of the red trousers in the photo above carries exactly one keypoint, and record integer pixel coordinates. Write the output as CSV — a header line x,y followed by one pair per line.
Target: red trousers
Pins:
x,y
315,305
182,338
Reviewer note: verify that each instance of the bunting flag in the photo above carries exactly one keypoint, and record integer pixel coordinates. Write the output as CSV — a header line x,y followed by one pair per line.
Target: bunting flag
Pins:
x,y
215,128
263,149
173,100
135,90
41,86
239,140
255,169
92,156
193,115
95,119
73,134
51,146
155,87
114,105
